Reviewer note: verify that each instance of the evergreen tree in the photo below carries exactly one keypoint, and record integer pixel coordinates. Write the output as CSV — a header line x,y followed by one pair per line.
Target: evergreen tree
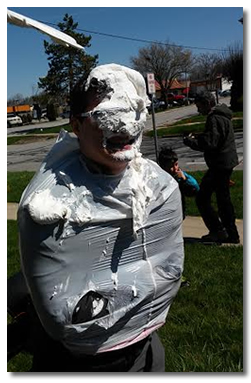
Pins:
x,y
66,64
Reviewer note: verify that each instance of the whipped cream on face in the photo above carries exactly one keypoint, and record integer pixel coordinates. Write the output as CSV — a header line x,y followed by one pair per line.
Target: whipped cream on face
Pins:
x,y
122,113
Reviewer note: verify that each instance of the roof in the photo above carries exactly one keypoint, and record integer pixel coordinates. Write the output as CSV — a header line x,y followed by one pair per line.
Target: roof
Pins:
x,y
175,85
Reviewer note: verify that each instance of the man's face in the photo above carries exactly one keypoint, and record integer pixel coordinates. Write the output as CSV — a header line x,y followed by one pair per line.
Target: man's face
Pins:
x,y
203,107
111,158
111,127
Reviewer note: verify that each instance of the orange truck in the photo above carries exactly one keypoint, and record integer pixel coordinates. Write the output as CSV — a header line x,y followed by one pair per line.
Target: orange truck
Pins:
x,y
23,111
19,109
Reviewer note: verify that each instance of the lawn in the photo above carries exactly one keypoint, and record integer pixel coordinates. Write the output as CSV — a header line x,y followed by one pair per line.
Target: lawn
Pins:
x,y
195,127
17,181
201,118
195,124
33,135
203,332
26,139
55,129
204,328
236,194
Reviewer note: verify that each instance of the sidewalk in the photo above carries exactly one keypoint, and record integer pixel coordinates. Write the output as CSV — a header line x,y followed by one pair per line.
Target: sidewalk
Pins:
x,y
193,227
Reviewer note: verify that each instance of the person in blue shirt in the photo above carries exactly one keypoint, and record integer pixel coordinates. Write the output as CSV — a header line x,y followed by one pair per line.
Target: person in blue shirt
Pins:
x,y
168,161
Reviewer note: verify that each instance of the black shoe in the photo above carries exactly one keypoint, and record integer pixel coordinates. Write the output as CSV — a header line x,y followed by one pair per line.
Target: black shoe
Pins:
x,y
215,237
232,240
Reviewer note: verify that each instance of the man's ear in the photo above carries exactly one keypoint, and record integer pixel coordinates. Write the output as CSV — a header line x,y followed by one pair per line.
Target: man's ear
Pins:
x,y
75,124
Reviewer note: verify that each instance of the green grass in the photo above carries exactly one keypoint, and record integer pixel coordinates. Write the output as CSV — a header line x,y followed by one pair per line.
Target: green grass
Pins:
x,y
203,331
200,118
195,124
236,194
19,140
196,127
21,362
191,120
55,129
204,327
17,181
12,250
34,134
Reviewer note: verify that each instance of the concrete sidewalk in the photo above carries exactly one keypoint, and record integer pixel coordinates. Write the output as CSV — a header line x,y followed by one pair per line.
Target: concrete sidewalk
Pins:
x,y
193,227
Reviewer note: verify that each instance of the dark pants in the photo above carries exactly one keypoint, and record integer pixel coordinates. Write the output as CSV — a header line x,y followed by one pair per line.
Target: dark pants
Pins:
x,y
147,355
217,181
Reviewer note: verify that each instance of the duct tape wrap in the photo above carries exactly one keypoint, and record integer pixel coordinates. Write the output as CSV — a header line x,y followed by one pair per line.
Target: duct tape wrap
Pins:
x,y
102,255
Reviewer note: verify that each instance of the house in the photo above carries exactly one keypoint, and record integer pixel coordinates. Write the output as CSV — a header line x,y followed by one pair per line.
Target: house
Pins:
x,y
177,87
217,84
185,87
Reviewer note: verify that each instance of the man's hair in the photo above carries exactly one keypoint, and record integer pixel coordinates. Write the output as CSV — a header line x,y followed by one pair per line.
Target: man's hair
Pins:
x,y
205,96
167,157
80,98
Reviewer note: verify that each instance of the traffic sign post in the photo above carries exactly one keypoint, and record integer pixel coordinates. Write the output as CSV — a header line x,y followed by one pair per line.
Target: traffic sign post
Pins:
x,y
151,91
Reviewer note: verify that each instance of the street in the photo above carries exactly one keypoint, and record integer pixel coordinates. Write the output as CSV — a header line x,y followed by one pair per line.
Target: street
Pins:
x,y
30,155
189,160
170,116
162,118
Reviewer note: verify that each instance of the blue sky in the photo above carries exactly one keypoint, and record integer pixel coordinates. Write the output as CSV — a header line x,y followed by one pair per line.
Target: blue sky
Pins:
x,y
210,28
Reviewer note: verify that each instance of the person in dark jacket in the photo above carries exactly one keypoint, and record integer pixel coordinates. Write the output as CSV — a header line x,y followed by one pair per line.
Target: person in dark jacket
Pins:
x,y
189,187
218,144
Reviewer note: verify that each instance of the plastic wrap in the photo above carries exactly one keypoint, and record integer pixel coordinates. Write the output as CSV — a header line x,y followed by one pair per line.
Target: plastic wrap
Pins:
x,y
102,255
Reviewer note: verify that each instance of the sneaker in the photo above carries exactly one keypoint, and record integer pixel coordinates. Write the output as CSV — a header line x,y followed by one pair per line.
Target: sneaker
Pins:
x,y
184,282
232,240
217,237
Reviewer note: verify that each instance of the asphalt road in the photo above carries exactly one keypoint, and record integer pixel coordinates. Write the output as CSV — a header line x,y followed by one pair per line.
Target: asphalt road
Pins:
x,y
29,156
43,124
162,118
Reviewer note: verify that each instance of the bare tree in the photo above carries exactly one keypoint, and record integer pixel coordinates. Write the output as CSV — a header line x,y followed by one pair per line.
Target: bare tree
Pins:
x,y
167,62
15,100
232,69
207,67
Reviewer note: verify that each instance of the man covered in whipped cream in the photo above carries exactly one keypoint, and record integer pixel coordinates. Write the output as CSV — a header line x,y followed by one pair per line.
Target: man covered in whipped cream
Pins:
x,y
100,235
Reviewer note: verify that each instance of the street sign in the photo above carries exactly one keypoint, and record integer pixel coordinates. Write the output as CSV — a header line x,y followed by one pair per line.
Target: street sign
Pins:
x,y
150,83
151,90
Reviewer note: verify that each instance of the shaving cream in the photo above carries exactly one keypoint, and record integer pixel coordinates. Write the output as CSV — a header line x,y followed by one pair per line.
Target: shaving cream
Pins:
x,y
123,110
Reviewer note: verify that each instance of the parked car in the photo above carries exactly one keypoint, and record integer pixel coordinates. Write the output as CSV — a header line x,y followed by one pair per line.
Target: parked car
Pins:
x,y
158,104
176,99
13,120
65,114
44,113
226,93
189,100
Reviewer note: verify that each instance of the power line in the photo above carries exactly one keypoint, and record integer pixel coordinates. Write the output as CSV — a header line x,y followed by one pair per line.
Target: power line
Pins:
x,y
141,40
148,41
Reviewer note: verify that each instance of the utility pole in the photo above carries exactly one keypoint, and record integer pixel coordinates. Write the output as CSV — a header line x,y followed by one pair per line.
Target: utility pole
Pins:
x,y
151,91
